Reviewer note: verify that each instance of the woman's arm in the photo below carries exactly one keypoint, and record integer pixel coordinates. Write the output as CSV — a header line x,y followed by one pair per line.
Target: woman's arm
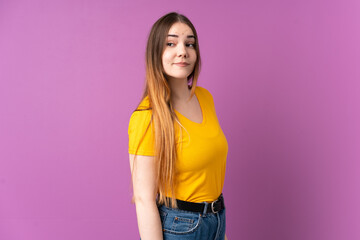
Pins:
x,y
226,237
144,185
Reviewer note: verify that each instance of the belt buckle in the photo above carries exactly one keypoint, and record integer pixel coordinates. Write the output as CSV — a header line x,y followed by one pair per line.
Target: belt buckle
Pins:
x,y
212,206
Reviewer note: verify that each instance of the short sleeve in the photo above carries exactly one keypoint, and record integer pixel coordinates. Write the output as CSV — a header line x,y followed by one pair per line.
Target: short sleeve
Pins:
x,y
139,122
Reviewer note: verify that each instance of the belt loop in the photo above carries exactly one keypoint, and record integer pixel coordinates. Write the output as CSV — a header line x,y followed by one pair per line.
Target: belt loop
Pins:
x,y
205,208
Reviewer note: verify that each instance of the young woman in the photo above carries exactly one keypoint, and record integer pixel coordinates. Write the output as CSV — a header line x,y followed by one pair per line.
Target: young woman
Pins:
x,y
177,149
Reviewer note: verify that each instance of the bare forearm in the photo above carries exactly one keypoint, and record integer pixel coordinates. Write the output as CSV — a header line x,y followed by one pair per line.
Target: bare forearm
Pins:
x,y
149,222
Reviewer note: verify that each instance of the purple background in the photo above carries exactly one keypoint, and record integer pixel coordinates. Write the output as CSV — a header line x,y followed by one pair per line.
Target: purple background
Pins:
x,y
285,79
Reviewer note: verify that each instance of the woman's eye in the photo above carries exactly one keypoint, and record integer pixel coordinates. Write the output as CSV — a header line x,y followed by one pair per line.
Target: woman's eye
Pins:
x,y
192,45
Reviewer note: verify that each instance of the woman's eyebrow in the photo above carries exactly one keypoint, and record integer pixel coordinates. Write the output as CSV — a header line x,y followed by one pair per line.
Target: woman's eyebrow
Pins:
x,y
174,35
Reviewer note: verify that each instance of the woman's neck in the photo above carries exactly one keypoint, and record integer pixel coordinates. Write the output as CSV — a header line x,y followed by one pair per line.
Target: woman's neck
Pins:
x,y
180,91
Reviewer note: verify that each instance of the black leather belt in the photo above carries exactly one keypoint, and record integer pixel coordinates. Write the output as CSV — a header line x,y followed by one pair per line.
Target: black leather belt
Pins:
x,y
212,207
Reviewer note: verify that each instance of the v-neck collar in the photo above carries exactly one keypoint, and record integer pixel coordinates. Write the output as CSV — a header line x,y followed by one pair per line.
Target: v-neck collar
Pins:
x,y
201,107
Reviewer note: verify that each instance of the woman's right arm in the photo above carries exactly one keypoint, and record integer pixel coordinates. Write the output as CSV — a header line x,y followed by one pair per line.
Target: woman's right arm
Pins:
x,y
144,186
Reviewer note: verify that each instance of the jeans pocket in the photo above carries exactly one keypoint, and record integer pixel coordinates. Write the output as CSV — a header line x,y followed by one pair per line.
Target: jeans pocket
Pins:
x,y
180,222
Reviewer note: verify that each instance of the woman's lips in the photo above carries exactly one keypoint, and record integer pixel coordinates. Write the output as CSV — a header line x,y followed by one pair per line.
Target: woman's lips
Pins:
x,y
182,64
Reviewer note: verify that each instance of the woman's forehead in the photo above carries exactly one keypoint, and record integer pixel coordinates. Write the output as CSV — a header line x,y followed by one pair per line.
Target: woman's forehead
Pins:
x,y
180,29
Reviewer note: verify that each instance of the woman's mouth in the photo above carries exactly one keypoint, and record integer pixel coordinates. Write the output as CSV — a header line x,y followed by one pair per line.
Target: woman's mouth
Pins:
x,y
182,64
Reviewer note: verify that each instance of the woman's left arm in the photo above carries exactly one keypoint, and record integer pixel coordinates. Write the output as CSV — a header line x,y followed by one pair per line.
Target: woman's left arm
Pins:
x,y
226,237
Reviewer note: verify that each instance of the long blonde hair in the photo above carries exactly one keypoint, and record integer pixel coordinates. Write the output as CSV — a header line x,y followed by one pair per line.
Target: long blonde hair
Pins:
x,y
158,91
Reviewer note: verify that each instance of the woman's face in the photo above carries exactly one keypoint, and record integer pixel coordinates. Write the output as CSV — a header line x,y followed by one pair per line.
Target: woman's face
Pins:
x,y
179,55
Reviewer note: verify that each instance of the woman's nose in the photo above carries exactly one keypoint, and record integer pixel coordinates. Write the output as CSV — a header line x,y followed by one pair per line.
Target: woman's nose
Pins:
x,y
182,50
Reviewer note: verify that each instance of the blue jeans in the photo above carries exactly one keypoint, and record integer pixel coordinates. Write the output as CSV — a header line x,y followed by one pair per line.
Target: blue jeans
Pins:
x,y
185,225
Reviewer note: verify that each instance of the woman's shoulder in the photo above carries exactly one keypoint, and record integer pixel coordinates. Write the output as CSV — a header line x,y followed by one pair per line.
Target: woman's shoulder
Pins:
x,y
142,114
204,93
140,130
144,104
143,107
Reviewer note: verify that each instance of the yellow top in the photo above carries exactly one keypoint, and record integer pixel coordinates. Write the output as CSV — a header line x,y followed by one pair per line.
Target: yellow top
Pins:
x,y
201,155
